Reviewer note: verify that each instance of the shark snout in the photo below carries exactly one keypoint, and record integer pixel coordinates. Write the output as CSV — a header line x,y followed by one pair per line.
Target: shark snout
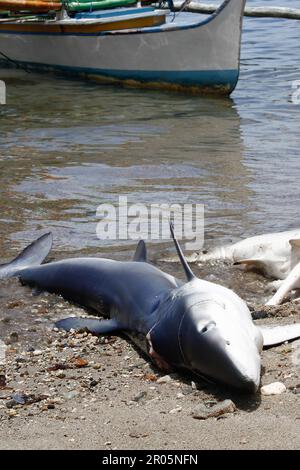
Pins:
x,y
221,356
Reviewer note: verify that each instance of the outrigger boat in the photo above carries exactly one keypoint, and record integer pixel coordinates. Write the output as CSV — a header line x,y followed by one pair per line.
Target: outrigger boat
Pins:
x,y
134,45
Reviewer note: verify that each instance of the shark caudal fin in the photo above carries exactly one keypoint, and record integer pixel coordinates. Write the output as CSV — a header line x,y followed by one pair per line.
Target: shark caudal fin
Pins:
x,y
140,254
33,255
273,336
188,272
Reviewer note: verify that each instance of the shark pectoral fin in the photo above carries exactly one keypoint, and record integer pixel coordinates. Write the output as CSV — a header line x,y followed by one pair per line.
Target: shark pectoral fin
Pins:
x,y
93,325
273,336
140,254
32,255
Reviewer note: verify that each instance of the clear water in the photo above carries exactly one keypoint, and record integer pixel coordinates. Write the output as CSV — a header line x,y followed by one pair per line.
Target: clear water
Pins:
x,y
66,146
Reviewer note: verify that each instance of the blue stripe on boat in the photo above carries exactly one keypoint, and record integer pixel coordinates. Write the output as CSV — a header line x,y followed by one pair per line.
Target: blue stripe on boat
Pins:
x,y
207,78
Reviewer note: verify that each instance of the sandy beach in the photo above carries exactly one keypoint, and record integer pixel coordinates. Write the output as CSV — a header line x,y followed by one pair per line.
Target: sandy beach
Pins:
x,y
78,391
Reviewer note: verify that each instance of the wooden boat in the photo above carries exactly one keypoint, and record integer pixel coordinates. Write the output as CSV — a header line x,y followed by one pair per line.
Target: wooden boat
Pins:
x,y
136,46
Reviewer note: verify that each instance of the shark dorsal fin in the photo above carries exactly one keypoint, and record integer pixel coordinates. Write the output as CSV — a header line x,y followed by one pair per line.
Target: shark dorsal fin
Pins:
x,y
140,252
188,272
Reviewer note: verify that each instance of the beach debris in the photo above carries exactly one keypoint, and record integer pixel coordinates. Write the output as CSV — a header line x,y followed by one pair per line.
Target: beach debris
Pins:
x,y
222,408
275,388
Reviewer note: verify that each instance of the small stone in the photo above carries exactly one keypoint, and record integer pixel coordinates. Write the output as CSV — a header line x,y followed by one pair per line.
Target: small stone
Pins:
x,y
60,375
222,408
97,366
276,388
14,304
10,403
150,377
165,379
2,381
93,383
179,396
14,337
70,395
139,396
175,410
21,359
19,398
37,352
79,362
134,435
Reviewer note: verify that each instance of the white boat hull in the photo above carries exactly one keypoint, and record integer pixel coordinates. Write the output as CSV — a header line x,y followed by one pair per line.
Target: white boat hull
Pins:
x,y
199,55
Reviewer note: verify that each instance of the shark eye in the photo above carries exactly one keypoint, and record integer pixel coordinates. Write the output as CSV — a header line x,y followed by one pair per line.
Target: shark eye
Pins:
x,y
208,327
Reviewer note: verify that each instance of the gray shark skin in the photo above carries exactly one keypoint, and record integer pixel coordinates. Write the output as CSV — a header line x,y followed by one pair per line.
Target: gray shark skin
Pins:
x,y
199,326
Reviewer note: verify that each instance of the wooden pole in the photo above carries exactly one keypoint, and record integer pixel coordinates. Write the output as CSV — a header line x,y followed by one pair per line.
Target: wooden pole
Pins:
x,y
31,5
259,12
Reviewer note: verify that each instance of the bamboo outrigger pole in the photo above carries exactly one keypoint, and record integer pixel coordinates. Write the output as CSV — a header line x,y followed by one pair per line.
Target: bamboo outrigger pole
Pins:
x,y
31,5
260,12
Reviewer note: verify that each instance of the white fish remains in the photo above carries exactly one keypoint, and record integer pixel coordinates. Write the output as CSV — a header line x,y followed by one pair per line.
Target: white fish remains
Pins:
x,y
292,282
274,254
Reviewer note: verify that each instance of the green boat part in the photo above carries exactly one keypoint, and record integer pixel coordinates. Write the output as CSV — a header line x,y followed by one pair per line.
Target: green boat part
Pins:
x,y
87,5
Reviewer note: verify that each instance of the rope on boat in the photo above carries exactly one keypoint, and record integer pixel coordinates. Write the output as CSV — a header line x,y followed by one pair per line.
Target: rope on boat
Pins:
x,y
259,12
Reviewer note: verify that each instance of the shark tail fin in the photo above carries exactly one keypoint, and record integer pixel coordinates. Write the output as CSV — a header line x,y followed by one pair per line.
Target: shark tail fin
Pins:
x,y
32,255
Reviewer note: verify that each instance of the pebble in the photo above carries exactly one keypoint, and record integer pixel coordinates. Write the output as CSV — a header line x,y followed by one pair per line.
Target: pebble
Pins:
x,y
37,352
60,375
222,408
276,388
139,396
175,410
19,398
93,383
14,337
165,379
70,395
21,359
